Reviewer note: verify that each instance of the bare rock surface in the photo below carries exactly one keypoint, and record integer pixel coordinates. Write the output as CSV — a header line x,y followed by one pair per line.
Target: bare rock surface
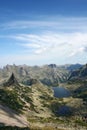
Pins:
x,y
10,117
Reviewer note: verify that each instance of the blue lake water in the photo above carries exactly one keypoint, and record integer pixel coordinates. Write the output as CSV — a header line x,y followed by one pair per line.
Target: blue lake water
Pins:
x,y
61,92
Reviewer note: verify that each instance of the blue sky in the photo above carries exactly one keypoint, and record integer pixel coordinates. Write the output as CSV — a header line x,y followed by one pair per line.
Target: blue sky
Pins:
x,y
37,32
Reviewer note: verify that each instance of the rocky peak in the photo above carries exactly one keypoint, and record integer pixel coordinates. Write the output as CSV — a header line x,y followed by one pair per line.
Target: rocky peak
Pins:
x,y
52,65
12,81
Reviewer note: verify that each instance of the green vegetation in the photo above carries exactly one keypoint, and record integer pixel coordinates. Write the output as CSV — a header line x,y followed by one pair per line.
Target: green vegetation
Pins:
x,y
11,99
81,123
55,106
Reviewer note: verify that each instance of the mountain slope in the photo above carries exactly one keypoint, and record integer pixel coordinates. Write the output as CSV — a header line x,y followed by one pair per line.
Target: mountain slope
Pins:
x,y
36,106
79,73
17,99
10,117
77,83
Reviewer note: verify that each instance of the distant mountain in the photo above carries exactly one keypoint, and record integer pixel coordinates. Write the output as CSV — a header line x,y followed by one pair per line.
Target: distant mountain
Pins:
x,y
50,75
71,67
79,73
52,65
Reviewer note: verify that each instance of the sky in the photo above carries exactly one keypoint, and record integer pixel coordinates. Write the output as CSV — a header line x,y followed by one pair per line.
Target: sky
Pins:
x,y
38,32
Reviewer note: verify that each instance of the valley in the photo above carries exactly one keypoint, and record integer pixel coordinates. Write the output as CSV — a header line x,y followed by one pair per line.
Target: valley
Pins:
x,y
28,100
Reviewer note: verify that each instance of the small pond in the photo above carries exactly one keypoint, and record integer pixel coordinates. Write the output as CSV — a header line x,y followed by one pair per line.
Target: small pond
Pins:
x,y
61,92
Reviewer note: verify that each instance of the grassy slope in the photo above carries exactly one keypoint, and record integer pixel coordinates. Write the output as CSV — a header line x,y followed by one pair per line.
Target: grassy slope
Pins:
x,y
38,104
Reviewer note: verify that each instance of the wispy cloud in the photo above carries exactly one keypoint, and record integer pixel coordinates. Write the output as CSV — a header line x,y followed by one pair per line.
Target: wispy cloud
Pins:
x,y
78,51
52,22
69,43
49,47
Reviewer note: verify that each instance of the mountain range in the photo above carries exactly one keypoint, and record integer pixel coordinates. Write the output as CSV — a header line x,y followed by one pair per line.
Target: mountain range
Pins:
x,y
27,99
50,75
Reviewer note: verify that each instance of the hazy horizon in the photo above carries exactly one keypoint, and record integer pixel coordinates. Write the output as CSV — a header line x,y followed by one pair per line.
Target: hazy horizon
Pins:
x,y
42,65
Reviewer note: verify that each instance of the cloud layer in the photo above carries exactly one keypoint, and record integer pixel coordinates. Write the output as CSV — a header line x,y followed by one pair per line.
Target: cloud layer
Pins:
x,y
55,39
69,43
50,47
